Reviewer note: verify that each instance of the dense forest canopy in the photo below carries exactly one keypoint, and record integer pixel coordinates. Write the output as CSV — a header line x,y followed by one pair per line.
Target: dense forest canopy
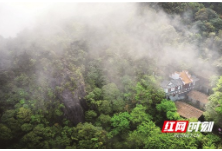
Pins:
x,y
87,75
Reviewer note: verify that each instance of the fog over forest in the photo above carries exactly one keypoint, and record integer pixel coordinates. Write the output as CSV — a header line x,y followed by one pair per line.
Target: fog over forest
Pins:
x,y
154,34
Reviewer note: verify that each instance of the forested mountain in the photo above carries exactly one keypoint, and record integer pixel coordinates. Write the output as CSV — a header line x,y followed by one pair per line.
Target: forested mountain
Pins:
x,y
88,75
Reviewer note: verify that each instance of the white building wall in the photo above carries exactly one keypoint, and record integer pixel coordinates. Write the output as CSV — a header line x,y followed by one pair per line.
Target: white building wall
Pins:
x,y
174,98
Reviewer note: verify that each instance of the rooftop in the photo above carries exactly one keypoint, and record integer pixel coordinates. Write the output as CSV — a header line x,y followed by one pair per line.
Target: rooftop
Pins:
x,y
196,95
171,83
187,111
185,77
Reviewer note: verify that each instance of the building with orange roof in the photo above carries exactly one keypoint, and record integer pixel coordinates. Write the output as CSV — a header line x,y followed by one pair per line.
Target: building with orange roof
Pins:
x,y
179,84
184,76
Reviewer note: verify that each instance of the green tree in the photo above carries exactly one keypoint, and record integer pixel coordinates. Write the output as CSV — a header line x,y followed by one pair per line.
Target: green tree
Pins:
x,y
8,118
105,120
24,114
105,107
89,136
110,92
139,115
8,114
167,109
149,136
120,123
6,133
137,137
147,92
90,115
206,14
211,141
26,127
214,106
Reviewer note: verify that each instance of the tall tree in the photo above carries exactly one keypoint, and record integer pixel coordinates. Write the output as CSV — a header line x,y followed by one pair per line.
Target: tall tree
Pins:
x,y
214,106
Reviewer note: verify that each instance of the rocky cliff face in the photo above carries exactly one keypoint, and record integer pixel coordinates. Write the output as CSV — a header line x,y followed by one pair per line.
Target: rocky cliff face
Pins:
x,y
73,92
74,103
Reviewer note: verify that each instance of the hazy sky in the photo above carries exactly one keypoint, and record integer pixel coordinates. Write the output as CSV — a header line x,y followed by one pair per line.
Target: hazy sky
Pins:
x,y
16,16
